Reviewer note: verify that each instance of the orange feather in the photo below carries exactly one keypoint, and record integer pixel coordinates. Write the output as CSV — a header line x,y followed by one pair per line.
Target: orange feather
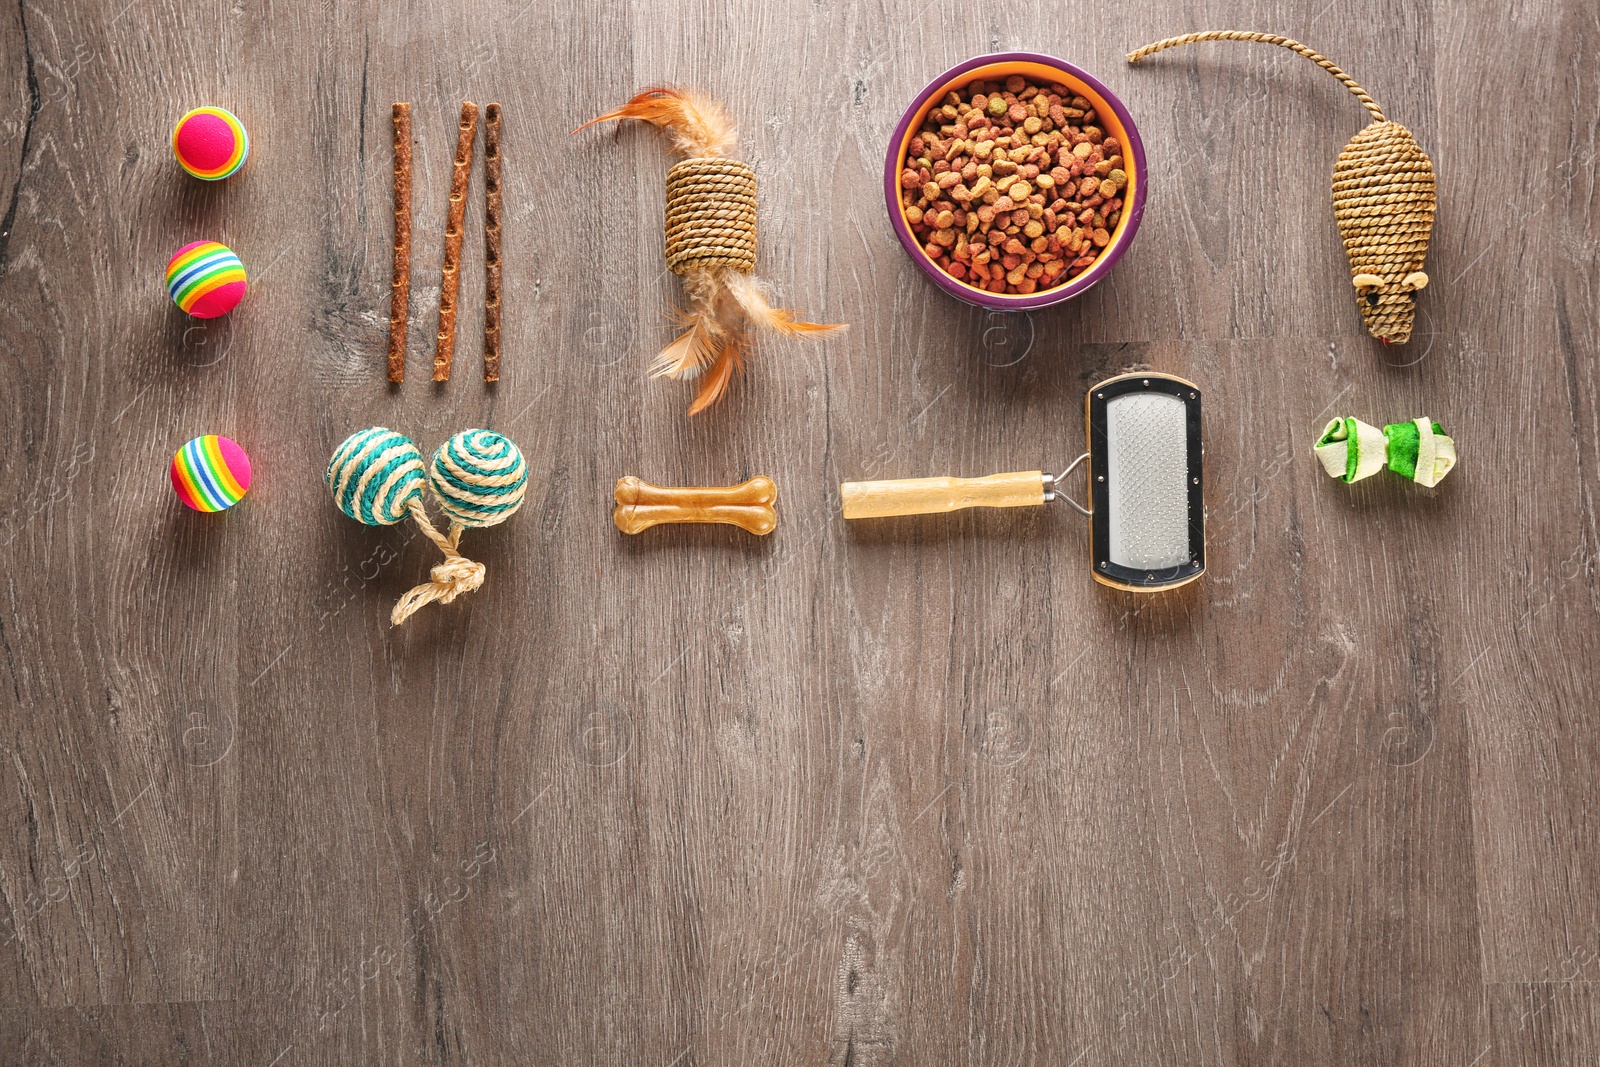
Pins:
x,y
684,356
747,292
783,321
699,126
730,359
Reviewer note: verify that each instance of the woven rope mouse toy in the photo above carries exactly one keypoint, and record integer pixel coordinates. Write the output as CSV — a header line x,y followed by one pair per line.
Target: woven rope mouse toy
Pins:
x,y
1383,199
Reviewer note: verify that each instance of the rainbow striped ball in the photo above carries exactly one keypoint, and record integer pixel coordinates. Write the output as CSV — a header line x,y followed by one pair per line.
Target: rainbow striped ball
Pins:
x,y
374,476
478,477
206,279
211,473
210,143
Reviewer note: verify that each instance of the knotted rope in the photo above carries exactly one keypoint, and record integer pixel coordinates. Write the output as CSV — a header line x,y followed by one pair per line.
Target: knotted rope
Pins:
x,y
711,215
1383,198
448,580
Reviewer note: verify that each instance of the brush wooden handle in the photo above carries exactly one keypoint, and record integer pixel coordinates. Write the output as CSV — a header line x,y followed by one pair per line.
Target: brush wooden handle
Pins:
x,y
748,505
928,496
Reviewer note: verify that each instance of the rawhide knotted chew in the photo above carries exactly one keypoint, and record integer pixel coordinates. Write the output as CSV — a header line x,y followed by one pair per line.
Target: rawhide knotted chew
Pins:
x,y
377,477
710,242
1351,450
1383,199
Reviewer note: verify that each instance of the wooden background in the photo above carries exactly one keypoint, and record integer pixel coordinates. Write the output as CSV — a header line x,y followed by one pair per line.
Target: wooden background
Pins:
x,y
913,792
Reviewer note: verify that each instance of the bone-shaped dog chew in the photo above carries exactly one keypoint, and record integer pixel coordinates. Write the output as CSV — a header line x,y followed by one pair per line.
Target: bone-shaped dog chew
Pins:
x,y
748,505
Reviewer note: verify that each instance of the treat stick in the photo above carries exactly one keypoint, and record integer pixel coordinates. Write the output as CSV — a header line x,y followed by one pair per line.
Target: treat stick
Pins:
x,y
491,243
929,496
748,505
400,285
450,284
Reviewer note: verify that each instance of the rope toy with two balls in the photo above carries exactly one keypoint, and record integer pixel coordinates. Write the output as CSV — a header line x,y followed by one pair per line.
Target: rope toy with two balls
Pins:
x,y
711,242
1383,199
478,478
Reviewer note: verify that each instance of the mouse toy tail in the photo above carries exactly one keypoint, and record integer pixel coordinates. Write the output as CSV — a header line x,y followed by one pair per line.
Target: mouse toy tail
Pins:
x,y
1266,38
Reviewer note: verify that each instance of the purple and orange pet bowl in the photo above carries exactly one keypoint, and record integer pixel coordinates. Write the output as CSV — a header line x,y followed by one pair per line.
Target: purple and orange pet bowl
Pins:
x,y
1113,117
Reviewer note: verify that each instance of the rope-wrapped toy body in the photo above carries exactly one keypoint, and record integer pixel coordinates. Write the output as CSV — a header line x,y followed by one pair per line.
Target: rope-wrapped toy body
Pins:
x,y
1383,199
477,477
710,242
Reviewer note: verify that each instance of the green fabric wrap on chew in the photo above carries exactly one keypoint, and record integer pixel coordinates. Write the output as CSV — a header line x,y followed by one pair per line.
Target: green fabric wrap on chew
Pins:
x,y
1351,450
1403,440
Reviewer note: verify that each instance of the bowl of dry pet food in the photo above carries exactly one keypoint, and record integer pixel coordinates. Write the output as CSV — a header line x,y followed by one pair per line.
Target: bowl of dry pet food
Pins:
x,y
1015,181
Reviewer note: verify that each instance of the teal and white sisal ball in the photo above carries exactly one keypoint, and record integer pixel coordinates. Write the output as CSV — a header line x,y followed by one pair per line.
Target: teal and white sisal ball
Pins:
x,y
375,475
479,478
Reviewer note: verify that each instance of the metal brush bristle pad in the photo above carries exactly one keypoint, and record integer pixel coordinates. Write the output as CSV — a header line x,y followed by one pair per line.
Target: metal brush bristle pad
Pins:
x,y
1145,467
1148,525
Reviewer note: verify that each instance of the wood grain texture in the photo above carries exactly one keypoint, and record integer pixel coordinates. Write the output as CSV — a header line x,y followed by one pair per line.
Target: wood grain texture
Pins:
x,y
909,792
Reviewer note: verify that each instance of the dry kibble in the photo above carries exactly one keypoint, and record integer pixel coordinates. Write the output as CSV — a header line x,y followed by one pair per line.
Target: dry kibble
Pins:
x,y
1013,188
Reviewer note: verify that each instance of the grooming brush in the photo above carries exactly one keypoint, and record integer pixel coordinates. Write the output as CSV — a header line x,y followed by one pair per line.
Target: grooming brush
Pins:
x,y
1147,505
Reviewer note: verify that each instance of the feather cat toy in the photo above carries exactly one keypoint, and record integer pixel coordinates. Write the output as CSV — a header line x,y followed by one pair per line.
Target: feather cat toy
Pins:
x,y
1383,199
711,243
